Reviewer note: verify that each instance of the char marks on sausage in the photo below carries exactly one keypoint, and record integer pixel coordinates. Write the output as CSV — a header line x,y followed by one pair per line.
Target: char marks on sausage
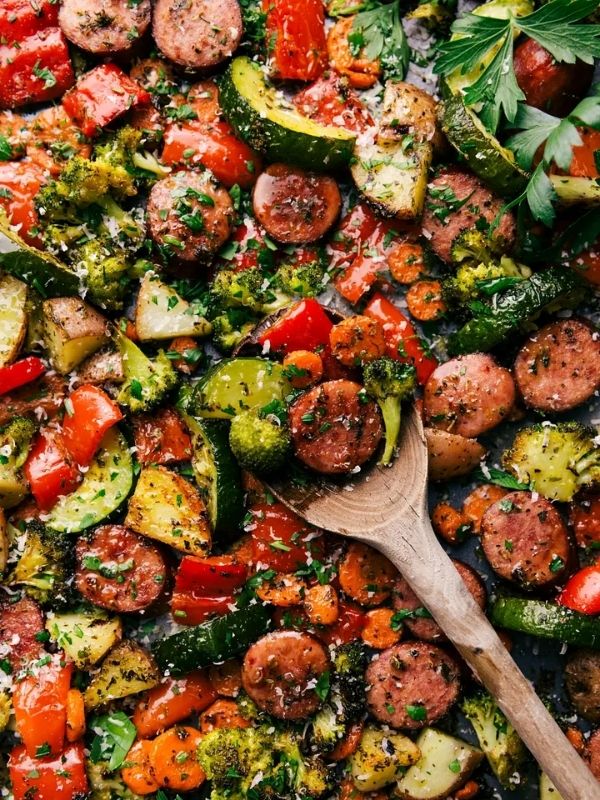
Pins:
x,y
20,623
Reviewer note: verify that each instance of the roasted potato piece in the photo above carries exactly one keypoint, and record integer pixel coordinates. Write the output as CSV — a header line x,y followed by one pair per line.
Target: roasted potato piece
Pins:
x,y
13,317
380,756
408,111
85,635
73,330
451,455
128,669
161,313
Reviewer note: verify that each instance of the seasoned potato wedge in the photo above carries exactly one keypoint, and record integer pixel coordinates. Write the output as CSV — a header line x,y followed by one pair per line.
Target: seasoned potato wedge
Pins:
x,y
408,110
105,366
85,635
128,669
166,507
13,317
73,330
162,314
379,757
451,455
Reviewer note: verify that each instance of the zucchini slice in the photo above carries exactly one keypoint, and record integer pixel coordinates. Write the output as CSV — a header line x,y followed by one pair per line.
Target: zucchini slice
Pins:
x,y
13,317
571,190
546,620
262,118
104,488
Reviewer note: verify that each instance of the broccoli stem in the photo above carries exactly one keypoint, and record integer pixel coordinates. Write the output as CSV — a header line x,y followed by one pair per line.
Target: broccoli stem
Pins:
x,y
391,410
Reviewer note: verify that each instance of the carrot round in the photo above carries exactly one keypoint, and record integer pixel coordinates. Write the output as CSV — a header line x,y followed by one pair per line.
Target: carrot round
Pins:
x,y
406,262
468,791
478,502
226,678
222,714
356,340
75,715
365,575
449,523
377,631
137,773
284,590
349,744
174,760
424,300
242,551
321,605
361,72
304,368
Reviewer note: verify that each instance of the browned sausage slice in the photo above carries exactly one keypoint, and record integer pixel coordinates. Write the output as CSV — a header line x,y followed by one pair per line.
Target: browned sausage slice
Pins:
x,y
20,623
280,672
295,207
104,27
197,33
468,395
41,399
418,622
119,570
457,201
335,427
558,367
189,215
411,685
525,540
582,678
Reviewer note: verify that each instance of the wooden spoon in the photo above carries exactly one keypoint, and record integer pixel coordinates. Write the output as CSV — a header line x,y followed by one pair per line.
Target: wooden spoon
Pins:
x,y
386,508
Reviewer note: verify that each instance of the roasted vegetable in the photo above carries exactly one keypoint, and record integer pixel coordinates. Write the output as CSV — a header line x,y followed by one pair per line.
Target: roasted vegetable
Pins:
x,y
15,441
161,313
260,442
381,757
105,784
73,330
147,380
128,669
389,382
248,288
45,567
85,634
13,317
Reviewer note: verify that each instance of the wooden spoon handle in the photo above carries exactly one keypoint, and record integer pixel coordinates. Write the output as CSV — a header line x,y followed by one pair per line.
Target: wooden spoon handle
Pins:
x,y
431,574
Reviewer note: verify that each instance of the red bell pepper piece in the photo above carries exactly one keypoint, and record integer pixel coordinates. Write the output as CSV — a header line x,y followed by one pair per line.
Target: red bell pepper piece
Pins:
x,y
20,181
584,163
20,373
403,342
188,609
40,706
297,33
21,18
582,592
172,701
215,576
364,271
584,519
250,246
329,101
354,230
90,413
49,469
35,70
61,777
346,628
281,540
161,438
101,96
305,326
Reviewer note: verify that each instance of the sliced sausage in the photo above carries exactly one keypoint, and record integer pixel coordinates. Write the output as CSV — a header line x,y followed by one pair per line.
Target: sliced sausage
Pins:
x,y
335,427
197,33
558,367
295,207
584,518
458,201
468,395
420,623
189,215
119,570
582,678
41,399
280,672
525,540
412,685
104,27
547,84
20,623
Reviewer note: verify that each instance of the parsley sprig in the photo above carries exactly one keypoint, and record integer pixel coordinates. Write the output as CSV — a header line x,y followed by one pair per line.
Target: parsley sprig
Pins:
x,y
378,32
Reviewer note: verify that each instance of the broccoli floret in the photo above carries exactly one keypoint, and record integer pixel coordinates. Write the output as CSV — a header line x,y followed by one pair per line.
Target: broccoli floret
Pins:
x,y
45,566
230,327
247,288
147,380
472,280
329,725
107,785
15,442
260,443
497,738
555,460
123,150
304,280
389,382
474,246
104,270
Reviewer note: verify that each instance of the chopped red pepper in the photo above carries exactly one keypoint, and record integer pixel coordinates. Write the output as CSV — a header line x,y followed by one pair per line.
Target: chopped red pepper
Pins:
x,y
161,438
20,181
102,95
305,326
403,342
61,777
187,609
90,413
584,163
35,70
20,373
172,701
364,271
295,34
331,101
21,18
354,230
248,239
582,592
215,576
281,540
49,469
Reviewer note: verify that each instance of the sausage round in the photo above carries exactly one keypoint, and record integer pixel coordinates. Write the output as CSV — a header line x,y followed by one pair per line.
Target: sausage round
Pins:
x,y
468,395
423,627
20,623
558,367
551,86
119,570
582,678
280,672
335,427
411,685
525,540
190,215
104,27
458,201
197,33
295,207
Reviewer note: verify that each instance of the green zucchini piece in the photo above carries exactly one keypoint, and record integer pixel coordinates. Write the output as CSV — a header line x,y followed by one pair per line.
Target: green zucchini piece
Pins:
x,y
217,474
571,190
552,289
236,384
262,118
546,620
104,488
213,641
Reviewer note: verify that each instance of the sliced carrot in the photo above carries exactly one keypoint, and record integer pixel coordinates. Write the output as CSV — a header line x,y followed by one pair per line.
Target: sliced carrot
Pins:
x,y
349,744
365,575
172,701
304,368
321,604
360,71
127,327
575,736
478,502
406,262
189,352
284,590
425,301
75,715
449,523
137,773
174,759
226,678
356,340
242,551
469,790
377,631
222,714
